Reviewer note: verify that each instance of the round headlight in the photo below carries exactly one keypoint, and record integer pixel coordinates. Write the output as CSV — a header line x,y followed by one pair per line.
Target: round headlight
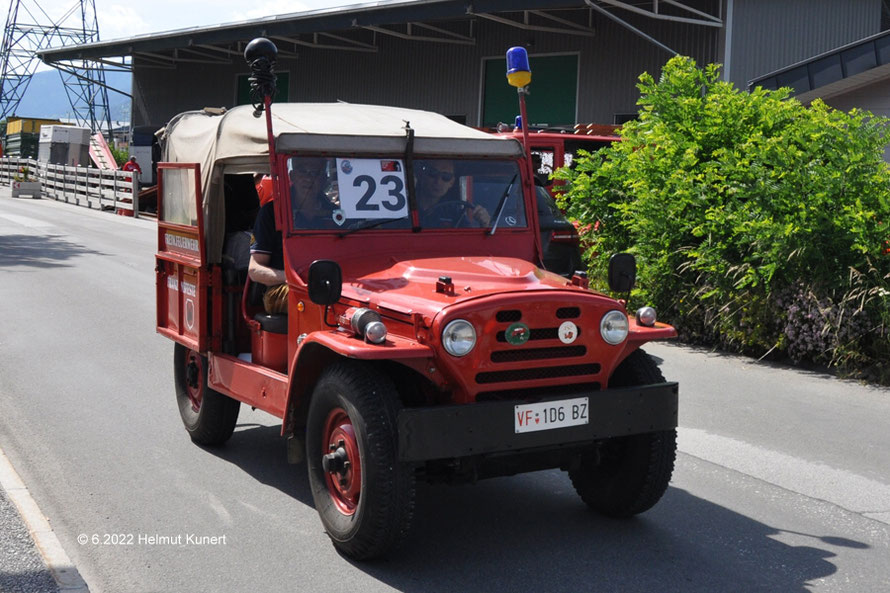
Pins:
x,y
646,316
375,332
459,337
614,327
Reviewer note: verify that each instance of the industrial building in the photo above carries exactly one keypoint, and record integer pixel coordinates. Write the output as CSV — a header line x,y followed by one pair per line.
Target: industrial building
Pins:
x,y
448,55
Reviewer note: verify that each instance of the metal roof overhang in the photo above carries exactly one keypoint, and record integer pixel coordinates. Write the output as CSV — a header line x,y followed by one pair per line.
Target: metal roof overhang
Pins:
x,y
345,18
834,72
224,42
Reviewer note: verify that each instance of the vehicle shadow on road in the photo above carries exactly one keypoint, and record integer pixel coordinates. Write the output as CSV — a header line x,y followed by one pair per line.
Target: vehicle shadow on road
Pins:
x,y
261,452
531,533
38,251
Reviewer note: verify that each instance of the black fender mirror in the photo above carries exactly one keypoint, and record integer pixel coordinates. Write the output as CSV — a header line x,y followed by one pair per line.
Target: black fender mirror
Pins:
x,y
325,282
622,272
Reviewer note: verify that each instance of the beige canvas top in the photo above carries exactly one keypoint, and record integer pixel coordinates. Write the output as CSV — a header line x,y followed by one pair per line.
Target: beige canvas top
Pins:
x,y
236,142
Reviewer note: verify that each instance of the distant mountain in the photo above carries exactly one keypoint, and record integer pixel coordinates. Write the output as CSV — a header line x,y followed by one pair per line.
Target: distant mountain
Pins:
x,y
46,98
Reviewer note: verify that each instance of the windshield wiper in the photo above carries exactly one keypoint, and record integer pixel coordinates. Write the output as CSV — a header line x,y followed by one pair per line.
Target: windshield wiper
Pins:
x,y
371,225
503,202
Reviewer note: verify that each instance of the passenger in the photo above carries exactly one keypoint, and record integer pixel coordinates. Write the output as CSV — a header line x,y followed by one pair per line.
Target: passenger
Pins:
x,y
437,201
310,210
263,185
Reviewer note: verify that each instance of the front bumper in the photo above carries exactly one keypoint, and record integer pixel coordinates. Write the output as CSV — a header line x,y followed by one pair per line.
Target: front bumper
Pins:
x,y
444,432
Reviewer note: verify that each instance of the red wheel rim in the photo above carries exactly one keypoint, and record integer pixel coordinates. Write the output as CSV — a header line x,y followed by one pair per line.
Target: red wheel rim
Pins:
x,y
194,384
345,480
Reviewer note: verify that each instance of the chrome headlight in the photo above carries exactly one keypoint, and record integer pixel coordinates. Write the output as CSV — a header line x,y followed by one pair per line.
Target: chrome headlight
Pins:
x,y
375,332
365,323
459,337
646,316
614,327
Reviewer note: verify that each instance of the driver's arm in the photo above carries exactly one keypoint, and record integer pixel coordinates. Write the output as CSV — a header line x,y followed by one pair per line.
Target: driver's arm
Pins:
x,y
260,272
264,243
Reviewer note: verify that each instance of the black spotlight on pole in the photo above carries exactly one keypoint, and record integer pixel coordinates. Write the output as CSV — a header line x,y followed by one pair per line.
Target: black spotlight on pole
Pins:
x,y
260,55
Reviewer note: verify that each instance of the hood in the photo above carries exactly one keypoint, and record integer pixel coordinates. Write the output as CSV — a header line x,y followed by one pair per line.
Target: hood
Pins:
x,y
409,287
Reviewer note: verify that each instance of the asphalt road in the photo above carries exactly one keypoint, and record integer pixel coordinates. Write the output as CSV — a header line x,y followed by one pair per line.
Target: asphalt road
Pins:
x,y
782,481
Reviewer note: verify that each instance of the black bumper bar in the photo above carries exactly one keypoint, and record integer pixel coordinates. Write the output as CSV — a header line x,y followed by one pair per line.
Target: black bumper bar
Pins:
x,y
443,432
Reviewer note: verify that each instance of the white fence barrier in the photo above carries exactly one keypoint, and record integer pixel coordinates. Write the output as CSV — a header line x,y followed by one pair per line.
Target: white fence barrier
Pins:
x,y
84,186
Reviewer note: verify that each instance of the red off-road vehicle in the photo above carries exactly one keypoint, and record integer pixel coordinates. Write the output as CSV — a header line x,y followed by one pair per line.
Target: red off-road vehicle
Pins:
x,y
415,347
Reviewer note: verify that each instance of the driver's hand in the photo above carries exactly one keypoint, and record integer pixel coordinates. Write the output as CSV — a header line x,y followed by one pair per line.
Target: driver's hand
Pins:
x,y
481,215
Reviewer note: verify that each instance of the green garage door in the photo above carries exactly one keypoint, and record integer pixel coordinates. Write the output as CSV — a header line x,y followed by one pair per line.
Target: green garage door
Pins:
x,y
554,90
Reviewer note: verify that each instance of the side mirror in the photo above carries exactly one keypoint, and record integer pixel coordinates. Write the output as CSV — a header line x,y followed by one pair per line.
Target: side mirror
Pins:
x,y
622,272
325,282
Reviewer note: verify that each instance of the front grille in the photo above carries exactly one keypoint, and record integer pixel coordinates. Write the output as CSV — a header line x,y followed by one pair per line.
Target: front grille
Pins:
x,y
541,333
533,374
568,313
543,358
508,316
537,354
533,394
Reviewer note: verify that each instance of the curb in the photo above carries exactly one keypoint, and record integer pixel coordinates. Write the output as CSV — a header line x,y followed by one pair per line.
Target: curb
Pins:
x,y
60,566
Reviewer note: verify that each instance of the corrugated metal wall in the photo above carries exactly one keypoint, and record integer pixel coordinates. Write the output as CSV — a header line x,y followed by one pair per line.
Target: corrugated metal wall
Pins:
x,y
765,35
440,77
768,35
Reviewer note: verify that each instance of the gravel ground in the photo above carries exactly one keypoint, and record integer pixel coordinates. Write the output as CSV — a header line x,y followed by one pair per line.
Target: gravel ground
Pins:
x,y
21,567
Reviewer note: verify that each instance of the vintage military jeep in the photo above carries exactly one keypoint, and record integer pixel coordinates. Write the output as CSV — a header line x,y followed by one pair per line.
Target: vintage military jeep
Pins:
x,y
418,343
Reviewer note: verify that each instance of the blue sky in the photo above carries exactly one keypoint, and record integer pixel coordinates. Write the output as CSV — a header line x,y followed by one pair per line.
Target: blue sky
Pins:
x,y
119,19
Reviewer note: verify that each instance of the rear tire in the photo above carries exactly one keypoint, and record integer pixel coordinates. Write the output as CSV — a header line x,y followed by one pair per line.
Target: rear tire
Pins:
x,y
625,476
208,416
363,494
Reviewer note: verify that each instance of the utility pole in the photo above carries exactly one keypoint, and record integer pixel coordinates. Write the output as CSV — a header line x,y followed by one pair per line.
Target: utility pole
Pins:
x,y
29,28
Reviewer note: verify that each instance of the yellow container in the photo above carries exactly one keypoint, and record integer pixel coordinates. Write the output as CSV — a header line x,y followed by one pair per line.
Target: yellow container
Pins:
x,y
28,125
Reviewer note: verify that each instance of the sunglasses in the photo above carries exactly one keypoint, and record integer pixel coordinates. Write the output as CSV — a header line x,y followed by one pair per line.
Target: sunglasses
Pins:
x,y
445,176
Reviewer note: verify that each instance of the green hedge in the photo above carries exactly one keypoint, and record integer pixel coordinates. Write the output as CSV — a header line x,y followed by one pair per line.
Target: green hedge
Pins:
x,y
120,155
758,224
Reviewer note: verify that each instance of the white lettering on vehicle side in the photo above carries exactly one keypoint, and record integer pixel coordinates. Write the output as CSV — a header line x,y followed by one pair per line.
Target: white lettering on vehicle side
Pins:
x,y
181,242
187,288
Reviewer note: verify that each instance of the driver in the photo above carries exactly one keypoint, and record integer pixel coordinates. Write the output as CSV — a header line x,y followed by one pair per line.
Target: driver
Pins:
x,y
435,185
266,248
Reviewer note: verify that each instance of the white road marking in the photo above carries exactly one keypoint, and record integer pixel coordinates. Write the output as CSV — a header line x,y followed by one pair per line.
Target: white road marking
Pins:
x,y
57,561
27,221
845,489
220,509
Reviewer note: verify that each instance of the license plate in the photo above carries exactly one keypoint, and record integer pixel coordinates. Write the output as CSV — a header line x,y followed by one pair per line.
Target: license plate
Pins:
x,y
549,415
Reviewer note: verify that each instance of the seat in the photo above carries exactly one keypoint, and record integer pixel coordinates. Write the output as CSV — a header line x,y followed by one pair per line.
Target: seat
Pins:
x,y
272,323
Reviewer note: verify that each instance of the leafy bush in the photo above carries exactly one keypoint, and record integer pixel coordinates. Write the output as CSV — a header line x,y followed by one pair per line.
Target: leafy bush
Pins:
x,y
120,155
758,224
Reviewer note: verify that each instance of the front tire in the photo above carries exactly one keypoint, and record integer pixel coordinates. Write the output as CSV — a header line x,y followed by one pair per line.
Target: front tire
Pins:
x,y
625,476
363,494
208,416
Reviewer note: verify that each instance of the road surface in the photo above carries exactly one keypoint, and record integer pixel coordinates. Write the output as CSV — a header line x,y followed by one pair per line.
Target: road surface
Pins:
x,y
782,481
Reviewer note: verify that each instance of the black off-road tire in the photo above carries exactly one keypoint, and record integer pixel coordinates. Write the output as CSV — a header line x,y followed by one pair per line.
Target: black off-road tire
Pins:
x,y
208,416
382,511
626,476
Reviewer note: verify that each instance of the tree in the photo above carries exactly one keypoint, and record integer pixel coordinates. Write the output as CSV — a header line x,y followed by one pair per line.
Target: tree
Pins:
x,y
758,223
121,155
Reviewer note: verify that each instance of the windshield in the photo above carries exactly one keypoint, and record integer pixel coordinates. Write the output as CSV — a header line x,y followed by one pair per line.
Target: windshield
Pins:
x,y
348,194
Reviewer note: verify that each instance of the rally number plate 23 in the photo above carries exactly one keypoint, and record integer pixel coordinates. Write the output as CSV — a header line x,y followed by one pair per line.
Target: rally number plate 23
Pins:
x,y
549,415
